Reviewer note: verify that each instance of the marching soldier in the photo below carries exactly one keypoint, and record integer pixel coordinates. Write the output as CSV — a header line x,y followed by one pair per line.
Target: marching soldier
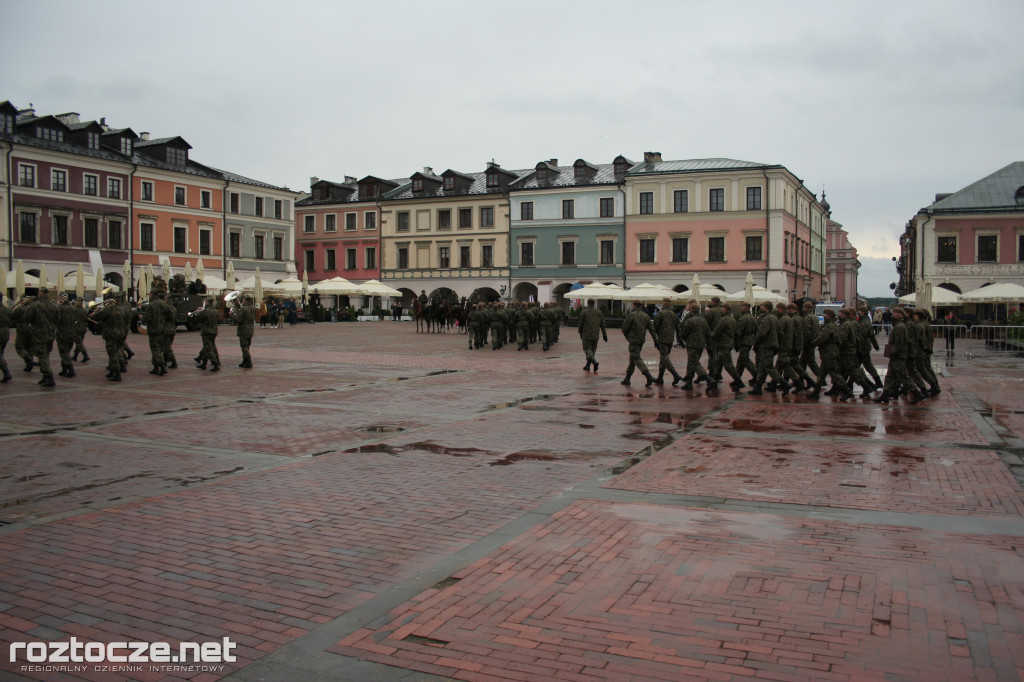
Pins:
x,y
713,313
810,323
591,327
245,322
42,316
154,319
766,345
66,335
724,336
827,342
694,335
23,332
111,319
746,329
207,319
5,335
849,366
897,378
926,341
666,324
865,342
635,327
81,318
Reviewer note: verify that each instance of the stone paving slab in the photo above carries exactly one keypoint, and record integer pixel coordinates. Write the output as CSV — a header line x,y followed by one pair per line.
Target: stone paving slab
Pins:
x,y
632,591
869,475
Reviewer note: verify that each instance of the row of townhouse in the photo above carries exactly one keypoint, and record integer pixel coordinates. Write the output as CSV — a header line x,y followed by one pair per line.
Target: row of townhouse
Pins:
x,y
967,239
536,232
81,192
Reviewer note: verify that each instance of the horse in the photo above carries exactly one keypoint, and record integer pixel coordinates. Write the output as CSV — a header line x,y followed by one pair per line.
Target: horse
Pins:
x,y
420,315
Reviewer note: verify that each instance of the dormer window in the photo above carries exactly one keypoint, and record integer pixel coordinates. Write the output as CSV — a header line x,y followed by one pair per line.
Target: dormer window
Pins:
x,y
620,169
449,183
580,171
417,185
6,124
176,156
492,180
92,140
1019,196
50,134
126,146
542,175
322,193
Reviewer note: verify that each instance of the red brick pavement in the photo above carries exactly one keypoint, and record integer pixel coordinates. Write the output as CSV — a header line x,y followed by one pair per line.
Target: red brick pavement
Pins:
x,y
633,591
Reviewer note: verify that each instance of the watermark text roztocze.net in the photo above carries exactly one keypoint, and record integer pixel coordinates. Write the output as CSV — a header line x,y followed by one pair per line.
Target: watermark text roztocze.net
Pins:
x,y
76,651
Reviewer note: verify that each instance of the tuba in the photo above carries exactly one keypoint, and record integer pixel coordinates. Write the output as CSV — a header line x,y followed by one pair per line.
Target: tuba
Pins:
x,y
232,298
23,301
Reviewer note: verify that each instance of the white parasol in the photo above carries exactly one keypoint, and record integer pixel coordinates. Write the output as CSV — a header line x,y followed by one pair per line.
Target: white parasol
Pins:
x,y
80,282
229,276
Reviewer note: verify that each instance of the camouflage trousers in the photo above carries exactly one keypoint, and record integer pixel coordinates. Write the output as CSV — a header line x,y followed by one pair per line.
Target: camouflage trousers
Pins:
x,y
693,365
590,349
830,369
636,360
724,362
64,346
664,359
765,362
807,362
41,350
743,361
849,367
244,342
209,351
156,349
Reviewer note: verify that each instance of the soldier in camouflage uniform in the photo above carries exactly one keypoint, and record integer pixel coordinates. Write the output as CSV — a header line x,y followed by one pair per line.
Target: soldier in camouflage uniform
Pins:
x,y
591,327
5,335
155,321
497,325
746,329
897,378
207,319
865,342
110,318
81,318
666,324
522,317
694,335
927,341
810,323
635,326
713,313
66,334
766,345
549,320
473,322
245,323
827,342
170,329
787,346
803,379
915,352
23,335
849,366
42,315
724,338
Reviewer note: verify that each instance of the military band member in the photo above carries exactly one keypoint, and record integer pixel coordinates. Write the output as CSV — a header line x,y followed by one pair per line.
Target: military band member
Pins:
x,y
207,319
81,318
245,322
66,335
42,316
111,320
154,320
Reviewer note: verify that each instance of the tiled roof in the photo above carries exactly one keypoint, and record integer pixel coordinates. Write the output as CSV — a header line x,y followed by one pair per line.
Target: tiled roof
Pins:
x,y
997,191
566,177
693,166
235,177
158,141
68,148
353,198
478,187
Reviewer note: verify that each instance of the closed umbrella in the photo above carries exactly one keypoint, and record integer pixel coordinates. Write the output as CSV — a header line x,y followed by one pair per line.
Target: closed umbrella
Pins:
x,y
43,280
19,280
305,284
98,281
143,285
924,301
60,282
259,286
748,290
80,282
696,287
229,277
188,272
165,267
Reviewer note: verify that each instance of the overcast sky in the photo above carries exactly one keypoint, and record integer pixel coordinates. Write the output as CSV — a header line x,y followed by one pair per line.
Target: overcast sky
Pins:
x,y
882,103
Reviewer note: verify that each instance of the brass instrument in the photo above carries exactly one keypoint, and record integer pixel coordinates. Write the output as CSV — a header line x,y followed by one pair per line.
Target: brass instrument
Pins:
x,y
24,300
232,297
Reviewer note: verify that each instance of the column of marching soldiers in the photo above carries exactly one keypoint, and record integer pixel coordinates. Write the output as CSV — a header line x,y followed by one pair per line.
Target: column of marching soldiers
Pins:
x,y
40,322
787,340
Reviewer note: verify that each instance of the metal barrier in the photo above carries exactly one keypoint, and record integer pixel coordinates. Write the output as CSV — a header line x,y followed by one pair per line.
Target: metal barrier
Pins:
x,y
980,340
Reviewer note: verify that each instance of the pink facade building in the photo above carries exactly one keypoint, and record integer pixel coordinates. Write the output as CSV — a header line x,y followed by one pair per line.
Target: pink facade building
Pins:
x,y
841,264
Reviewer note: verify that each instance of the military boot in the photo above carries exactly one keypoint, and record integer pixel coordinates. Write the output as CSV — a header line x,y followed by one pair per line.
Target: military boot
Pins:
x,y
70,373
47,381
712,384
771,387
687,384
85,356
868,387
676,377
883,398
756,390
63,372
625,382
174,364
916,397
7,375
814,392
202,365
650,378
586,367
115,376
595,365
216,367
29,364
155,370
833,390
661,378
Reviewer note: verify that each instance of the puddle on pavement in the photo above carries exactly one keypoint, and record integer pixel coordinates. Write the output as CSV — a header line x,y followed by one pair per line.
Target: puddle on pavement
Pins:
x,y
522,401
383,428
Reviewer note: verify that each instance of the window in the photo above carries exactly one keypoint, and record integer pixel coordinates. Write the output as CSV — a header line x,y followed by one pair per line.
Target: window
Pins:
x,y
417,185
126,146
607,252
177,156
1020,247
350,259
449,183
647,250
526,210
331,263
716,200
754,200
988,248
464,257
114,188
568,208
278,248
309,223
310,258
147,191
257,246
444,219
92,140
330,223
234,202
60,230
59,180
205,239
681,201
403,258
179,196
465,217
180,234
716,249
487,216
754,247
205,199
371,258
259,206
146,236
680,249
114,234
487,256
90,185
235,244
646,202
278,209
403,222
350,221
50,134
947,249
28,228
91,236
6,124
526,253
492,180
370,221
444,257
568,253
26,175
607,207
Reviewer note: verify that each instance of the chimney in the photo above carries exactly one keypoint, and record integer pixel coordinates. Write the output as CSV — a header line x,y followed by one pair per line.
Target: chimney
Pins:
x,y
427,170
144,136
30,111
652,157
553,162
940,197
103,124
70,118
349,180
313,180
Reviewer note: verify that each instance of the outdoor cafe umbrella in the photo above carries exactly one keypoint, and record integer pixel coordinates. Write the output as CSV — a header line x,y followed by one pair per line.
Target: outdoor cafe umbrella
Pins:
x,y
305,284
650,293
200,272
597,290
757,295
373,287
188,272
80,282
249,284
60,282
337,286
1003,292
143,285
289,286
696,287
127,278
98,282
259,287
941,296
43,280
165,268
19,280
229,277
748,290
